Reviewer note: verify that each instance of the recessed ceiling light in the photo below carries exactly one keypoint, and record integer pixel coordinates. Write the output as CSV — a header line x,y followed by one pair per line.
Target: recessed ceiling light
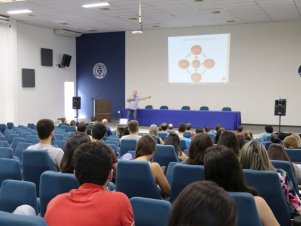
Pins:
x,y
132,18
216,12
93,5
137,32
20,11
230,21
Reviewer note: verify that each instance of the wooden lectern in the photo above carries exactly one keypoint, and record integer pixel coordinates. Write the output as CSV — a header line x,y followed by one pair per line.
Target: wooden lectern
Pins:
x,y
102,109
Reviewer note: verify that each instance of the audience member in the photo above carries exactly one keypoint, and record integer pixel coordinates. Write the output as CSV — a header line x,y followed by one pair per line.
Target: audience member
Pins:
x,y
164,126
153,131
223,167
181,131
133,127
174,140
267,134
72,143
248,135
277,152
199,130
145,150
73,123
290,142
63,122
82,127
230,140
218,134
188,129
239,130
275,139
203,203
241,140
197,149
108,129
91,204
254,156
45,130
98,133
170,127
298,138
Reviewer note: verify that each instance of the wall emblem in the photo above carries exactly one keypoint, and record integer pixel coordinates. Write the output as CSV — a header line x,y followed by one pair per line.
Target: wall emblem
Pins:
x,y
99,71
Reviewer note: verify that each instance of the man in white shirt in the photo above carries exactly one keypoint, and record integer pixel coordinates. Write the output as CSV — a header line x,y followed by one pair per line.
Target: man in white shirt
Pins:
x,y
133,127
133,104
45,130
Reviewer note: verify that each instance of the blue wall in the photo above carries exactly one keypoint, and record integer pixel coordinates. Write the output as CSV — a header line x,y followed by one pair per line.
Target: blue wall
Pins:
x,y
107,48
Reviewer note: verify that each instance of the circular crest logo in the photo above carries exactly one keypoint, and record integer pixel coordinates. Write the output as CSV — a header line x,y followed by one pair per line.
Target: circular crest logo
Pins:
x,y
99,70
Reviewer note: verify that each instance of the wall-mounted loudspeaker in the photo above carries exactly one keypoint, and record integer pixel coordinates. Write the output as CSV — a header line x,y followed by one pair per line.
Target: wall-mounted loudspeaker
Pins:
x,y
280,107
76,102
65,61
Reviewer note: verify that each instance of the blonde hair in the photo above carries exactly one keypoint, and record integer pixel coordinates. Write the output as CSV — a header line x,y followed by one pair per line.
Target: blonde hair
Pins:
x,y
298,138
254,156
290,142
153,130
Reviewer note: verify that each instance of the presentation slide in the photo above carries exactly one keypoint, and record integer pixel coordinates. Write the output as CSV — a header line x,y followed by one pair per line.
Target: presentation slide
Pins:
x,y
199,59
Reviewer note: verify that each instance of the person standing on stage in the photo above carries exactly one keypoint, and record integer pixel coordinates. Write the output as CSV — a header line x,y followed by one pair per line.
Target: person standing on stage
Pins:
x,y
133,104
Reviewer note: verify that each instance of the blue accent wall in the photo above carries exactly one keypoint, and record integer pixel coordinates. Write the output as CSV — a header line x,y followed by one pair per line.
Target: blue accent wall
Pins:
x,y
107,48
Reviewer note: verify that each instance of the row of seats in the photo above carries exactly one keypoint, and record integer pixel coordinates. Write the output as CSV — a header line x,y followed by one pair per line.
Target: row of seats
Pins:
x,y
202,108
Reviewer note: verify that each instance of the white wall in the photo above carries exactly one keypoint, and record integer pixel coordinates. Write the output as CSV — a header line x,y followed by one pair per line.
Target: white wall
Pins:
x,y
46,100
264,59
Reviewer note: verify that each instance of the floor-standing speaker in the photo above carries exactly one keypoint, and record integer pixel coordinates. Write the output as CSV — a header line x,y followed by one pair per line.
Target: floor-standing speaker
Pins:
x,y
280,107
76,102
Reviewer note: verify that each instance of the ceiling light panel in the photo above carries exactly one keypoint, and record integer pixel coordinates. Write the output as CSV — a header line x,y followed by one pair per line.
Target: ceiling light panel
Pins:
x,y
96,5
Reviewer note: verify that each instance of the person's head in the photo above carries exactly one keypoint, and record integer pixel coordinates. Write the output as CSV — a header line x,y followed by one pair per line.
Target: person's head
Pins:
x,y
174,140
145,146
153,130
218,134
72,143
275,139
105,122
182,128
240,129
241,140
72,123
277,152
93,119
45,129
268,129
281,135
198,147
254,156
200,204
188,126
217,127
248,135
81,127
98,131
290,142
223,167
230,140
298,138
206,129
199,130
133,126
164,126
170,126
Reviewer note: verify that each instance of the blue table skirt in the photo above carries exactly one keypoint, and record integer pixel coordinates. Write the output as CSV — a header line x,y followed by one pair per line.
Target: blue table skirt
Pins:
x,y
228,119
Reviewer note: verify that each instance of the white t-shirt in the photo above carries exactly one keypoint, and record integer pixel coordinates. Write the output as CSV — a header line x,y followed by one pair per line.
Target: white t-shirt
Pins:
x,y
131,137
55,154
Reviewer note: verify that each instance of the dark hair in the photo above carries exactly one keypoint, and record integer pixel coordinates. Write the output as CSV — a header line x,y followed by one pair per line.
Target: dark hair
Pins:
x,y
198,147
44,128
269,129
277,152
223,167
98,131
72,123
275,139
240,129
218,134
241,139
81,127
93,119
73,142
92,163
217,127
182,128
199,130
164,126
200,204
133,126
207,129
230,140
188,126
174,140
145,146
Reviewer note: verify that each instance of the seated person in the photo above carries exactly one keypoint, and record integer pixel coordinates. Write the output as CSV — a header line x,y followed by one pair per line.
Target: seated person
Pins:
x,y
109,131
133,128
199,204
267,134
174,140
290,142
45,130
153,131
181,131
145,150
63,122
91,204
82,127
230,140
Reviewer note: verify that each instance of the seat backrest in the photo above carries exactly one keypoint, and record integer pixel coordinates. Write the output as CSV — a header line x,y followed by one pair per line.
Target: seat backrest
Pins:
x,y
204,108
157,211
9,219
165,154
162,135
35,162
226,109
2,128
53,184
184,175
288,168
10,169
185,108
60,143
134,178
21,146
31,125
115,149
187,134
183,146
10,125
169,171
267,144
11,136
71,129
294,154
148,107
14,193
6,152
246,209
127,145
15,141
164,107
4,143
268,185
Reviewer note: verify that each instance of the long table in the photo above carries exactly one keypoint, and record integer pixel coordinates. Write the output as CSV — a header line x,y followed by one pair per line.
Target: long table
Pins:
x,y
228,119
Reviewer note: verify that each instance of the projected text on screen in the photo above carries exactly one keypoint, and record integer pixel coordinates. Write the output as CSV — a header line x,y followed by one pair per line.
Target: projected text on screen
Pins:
x,y
199,59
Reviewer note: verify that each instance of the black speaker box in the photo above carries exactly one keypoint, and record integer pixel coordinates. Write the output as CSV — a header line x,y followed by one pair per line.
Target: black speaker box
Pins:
x,y
76,102
66,60
280,107
46,57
